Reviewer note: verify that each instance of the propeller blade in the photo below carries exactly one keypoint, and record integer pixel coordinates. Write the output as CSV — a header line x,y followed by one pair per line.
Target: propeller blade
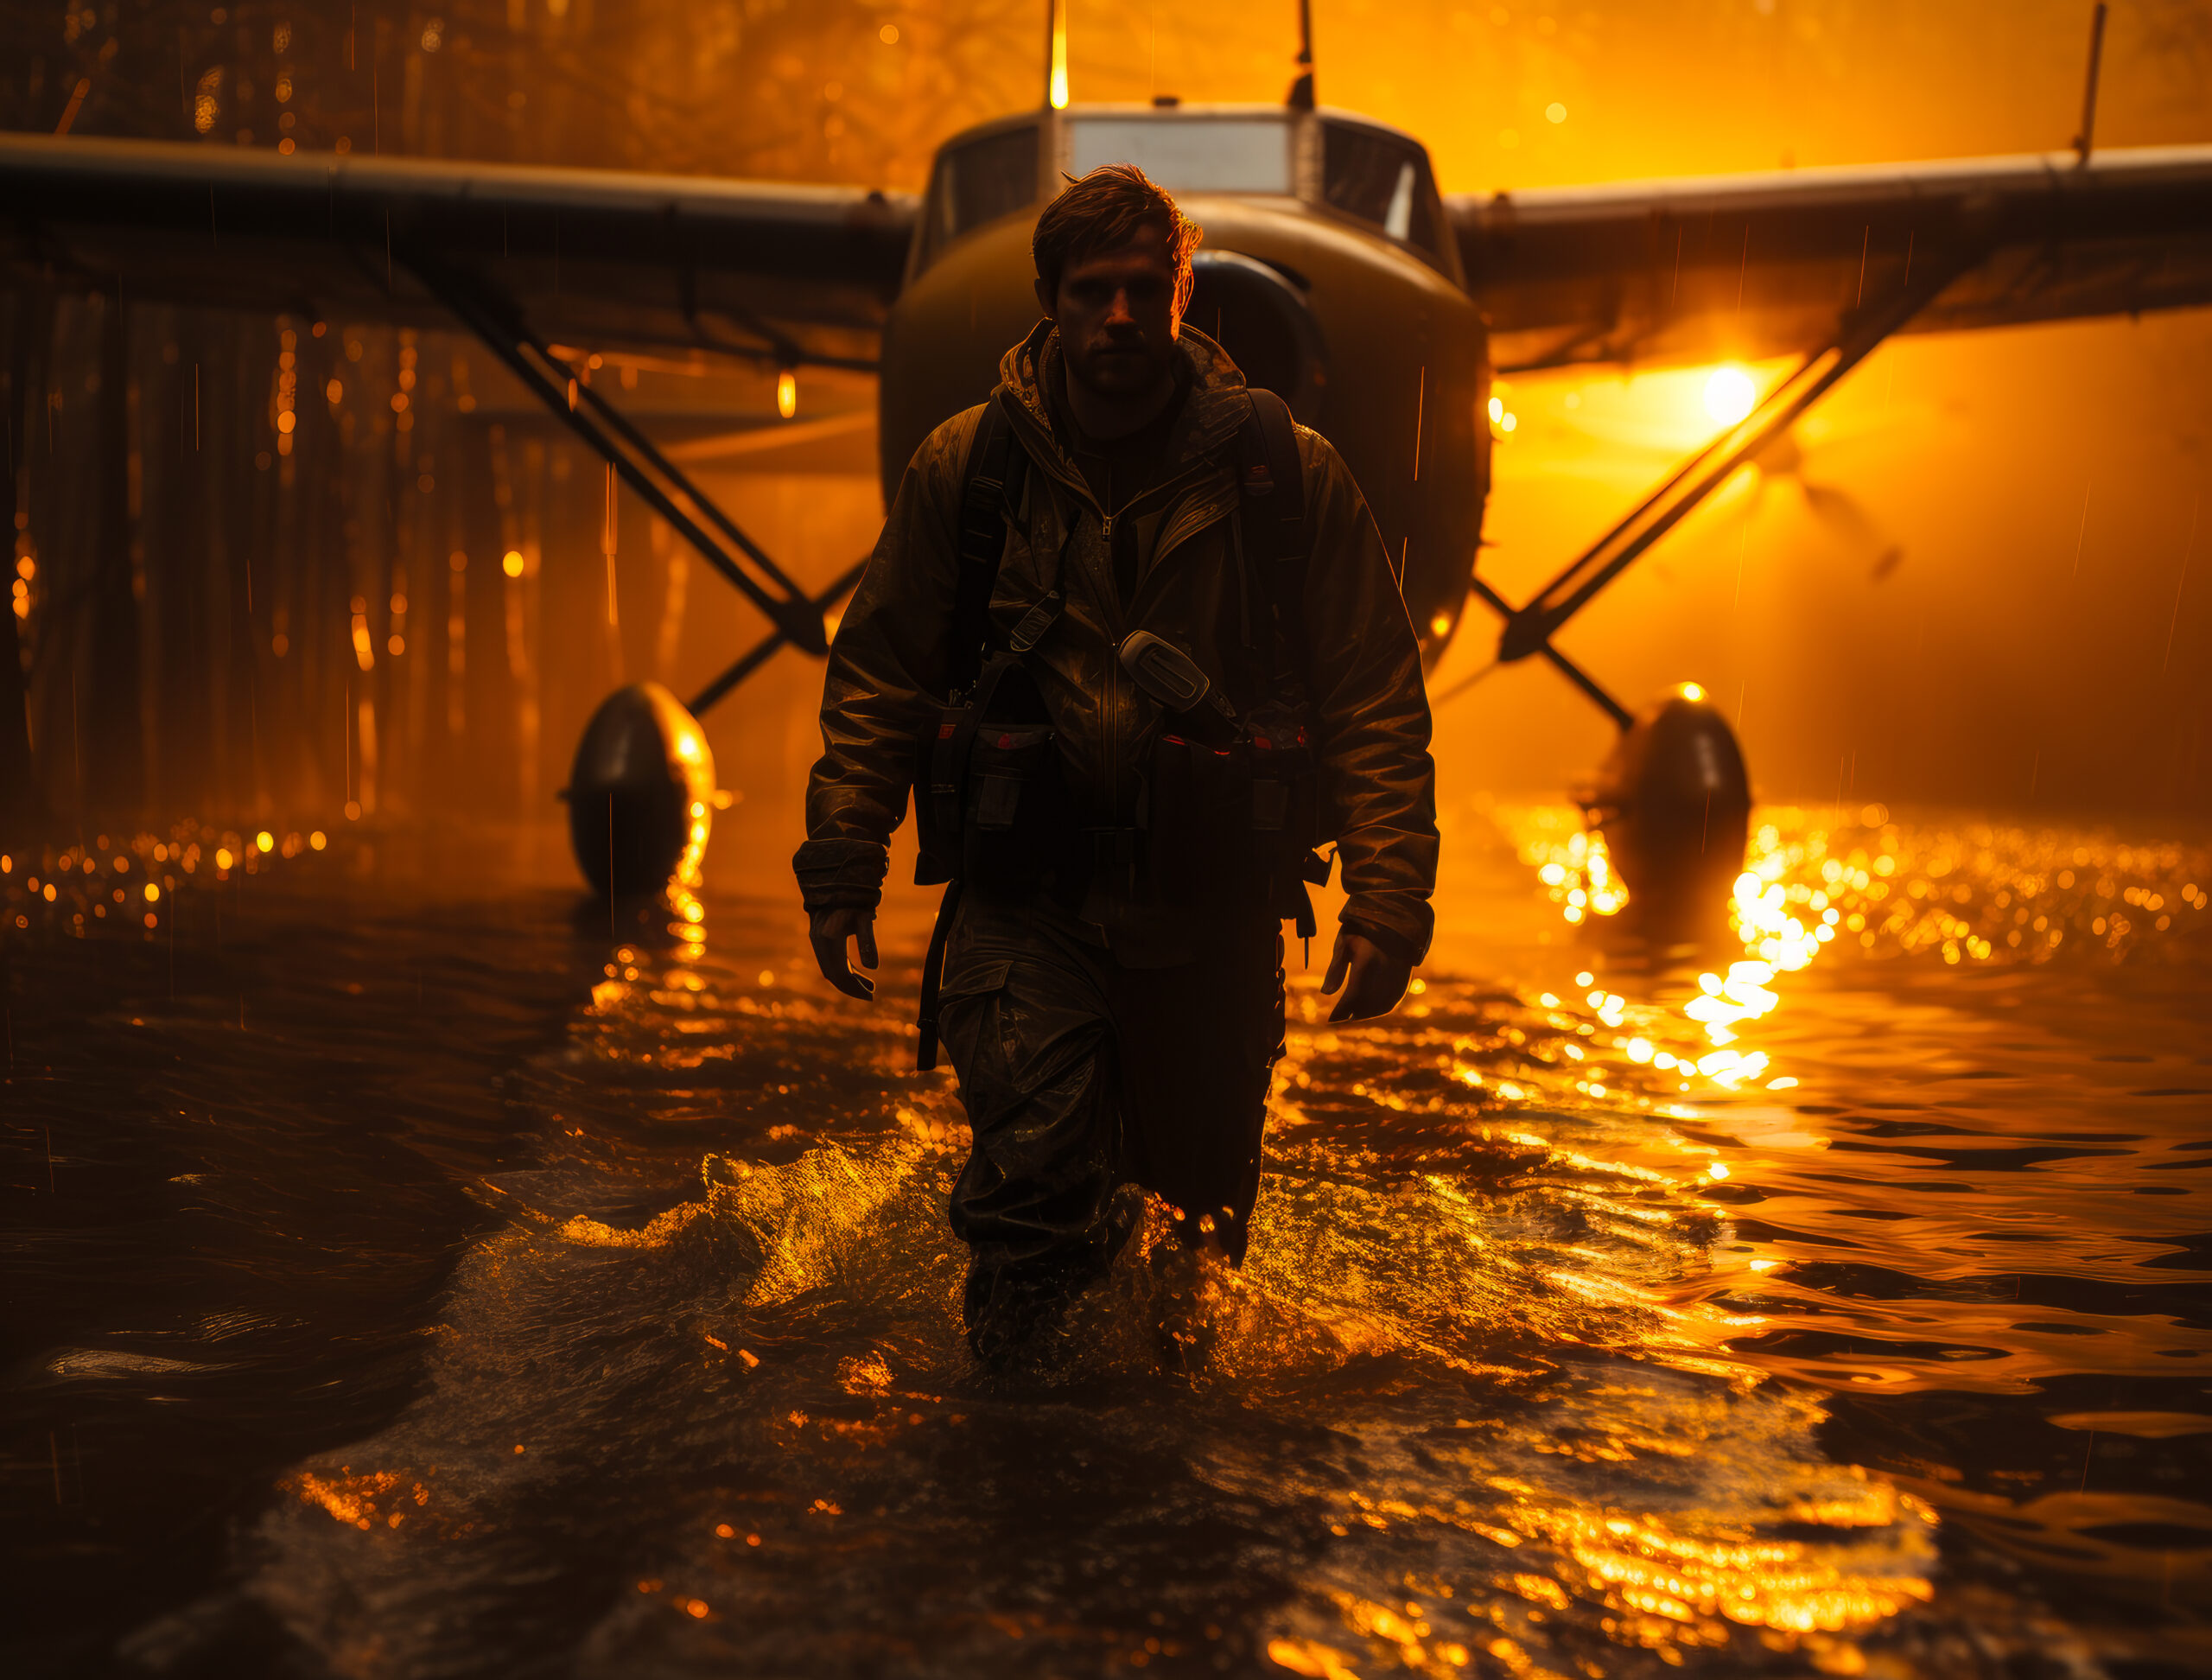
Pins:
x,y
1843,513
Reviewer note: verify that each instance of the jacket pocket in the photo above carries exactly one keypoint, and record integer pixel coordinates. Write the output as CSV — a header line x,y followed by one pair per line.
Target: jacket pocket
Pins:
x,y
1003,760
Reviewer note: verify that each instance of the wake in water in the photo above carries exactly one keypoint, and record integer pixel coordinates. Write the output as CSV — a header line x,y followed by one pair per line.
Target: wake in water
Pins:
x,y
1577,1300
1443,1420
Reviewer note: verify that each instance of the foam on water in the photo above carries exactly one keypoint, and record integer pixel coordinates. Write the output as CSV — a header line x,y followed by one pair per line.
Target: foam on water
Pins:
x,y
1454,1416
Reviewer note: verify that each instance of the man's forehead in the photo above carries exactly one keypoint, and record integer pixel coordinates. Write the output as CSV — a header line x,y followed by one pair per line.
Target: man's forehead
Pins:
x,y
1145,247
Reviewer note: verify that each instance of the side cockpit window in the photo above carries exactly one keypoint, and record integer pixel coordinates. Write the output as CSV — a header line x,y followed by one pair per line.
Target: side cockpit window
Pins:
x,y
979,183
1380,180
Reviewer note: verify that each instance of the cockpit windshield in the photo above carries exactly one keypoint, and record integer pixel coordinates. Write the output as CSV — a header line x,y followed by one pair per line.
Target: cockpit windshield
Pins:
x,y
1189,154
1380,179
1367,173
980,181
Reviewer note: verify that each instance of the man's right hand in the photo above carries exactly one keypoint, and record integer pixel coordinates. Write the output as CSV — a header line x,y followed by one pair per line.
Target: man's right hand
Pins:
x,y
828,930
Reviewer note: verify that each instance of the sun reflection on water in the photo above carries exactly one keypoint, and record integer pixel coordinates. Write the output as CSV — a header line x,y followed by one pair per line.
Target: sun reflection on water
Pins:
x,y
1488,1397
1856,879
1579,873
87,887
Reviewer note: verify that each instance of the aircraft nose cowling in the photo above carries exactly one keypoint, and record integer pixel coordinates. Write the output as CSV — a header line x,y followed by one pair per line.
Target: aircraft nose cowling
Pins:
x,y
1265,324
1675,802
641,794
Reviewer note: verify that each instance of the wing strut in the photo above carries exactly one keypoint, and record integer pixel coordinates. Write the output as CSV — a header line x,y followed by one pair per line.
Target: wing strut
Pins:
x,y
1528,629
765,649
659,480
1565,667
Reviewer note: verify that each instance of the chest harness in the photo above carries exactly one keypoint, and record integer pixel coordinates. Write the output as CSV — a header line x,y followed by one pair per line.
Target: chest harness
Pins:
x,y
1230,811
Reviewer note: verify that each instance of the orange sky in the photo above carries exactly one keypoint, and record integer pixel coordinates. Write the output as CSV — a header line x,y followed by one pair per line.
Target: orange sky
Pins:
x,y
1677,87
1987,667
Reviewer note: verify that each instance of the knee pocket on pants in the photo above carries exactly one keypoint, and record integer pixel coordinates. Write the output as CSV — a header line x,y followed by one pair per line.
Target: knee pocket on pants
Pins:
x,y
1009,1035
973,1013
969,982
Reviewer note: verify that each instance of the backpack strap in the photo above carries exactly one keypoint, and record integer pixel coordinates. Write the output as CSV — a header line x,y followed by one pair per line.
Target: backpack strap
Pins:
x,y
1273,521
998,471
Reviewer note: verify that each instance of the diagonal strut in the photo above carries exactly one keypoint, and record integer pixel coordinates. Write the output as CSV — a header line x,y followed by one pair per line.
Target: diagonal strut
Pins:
x,y
655,478
762,651
1529,629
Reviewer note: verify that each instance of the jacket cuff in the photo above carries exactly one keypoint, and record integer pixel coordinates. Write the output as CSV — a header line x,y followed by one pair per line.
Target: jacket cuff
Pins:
x,y
1392,942
841,875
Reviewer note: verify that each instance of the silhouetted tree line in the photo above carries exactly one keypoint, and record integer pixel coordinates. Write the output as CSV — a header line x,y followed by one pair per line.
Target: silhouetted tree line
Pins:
x,y
258,562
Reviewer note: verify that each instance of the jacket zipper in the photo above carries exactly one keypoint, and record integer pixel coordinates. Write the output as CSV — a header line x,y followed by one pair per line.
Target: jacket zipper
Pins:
x,y
1113,682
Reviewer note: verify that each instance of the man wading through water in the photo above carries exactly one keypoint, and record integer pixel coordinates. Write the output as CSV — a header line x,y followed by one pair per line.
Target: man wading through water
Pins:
x,y
1132,642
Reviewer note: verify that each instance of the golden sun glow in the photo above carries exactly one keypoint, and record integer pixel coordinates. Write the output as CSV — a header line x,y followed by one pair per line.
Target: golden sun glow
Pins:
x,y
1730,395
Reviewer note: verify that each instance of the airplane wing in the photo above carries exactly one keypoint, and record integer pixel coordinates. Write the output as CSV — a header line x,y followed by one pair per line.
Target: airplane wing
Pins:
x,y
579,256
1749,266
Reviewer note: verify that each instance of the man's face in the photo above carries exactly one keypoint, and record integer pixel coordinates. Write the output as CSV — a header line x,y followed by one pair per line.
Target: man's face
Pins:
x,y
1115,310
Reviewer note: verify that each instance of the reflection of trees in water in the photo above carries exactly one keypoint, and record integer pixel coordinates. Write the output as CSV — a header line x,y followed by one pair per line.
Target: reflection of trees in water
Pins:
x,y
261,564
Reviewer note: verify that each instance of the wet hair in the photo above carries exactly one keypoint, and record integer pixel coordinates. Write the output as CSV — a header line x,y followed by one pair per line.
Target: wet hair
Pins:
x,y
1102,212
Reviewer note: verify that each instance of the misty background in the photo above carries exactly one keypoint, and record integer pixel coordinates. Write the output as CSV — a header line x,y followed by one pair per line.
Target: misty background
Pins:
x,y
254,581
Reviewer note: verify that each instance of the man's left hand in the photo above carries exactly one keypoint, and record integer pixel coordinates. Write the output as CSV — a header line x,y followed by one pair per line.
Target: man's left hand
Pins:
x,y
1372,979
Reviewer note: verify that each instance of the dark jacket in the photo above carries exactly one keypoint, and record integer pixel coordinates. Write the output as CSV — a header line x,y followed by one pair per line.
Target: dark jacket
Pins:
x,y
889,666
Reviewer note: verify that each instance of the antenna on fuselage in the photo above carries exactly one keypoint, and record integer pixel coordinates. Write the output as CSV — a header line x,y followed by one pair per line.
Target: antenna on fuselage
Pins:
x,y
1302,90
1056,54
2090,87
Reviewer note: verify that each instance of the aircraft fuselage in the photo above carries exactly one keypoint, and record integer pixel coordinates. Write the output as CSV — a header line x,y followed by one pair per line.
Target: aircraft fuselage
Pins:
x,y
1358,321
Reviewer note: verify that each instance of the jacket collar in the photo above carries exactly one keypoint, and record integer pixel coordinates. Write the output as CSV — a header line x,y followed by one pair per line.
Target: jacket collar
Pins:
x,y
1213,410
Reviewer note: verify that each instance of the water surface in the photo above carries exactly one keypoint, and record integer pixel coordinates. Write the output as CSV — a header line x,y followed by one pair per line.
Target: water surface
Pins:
x,y
426,1276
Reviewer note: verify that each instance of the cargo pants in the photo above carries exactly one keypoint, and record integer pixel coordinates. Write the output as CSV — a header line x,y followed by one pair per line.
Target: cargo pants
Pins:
x,y
1081,1075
